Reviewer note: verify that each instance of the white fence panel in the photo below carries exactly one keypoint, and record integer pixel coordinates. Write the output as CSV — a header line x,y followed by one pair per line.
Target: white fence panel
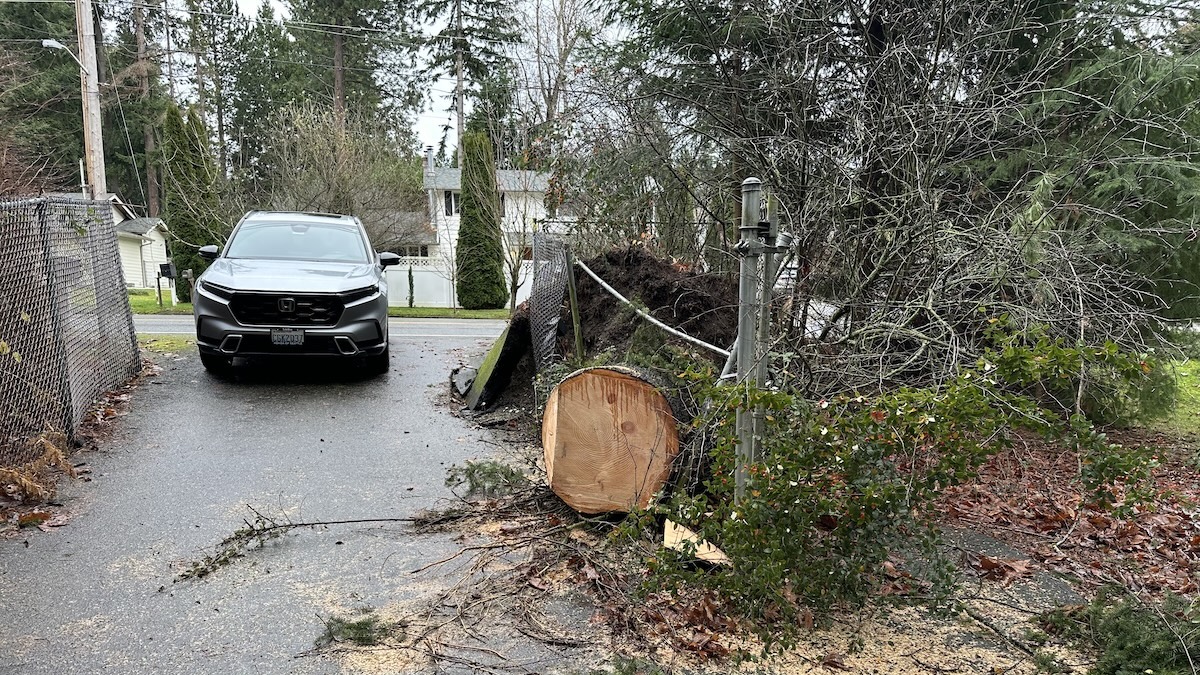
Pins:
x,y
432,287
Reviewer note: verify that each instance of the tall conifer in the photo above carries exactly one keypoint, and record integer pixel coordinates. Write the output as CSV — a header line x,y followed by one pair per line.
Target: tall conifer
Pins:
x,y
479,255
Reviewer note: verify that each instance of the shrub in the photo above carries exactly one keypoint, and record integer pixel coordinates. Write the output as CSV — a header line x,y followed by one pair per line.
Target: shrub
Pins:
x,y
1132,637
479,255
843,484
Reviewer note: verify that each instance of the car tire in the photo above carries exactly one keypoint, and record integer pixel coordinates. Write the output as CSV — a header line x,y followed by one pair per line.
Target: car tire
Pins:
x,y
378,364
217,365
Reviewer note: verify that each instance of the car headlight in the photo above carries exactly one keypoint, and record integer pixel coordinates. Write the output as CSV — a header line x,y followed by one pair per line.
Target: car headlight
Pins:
x,y
213,289
358,294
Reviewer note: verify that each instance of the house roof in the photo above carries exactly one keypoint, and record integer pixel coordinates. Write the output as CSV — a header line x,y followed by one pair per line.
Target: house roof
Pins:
x,y
507,180
140,226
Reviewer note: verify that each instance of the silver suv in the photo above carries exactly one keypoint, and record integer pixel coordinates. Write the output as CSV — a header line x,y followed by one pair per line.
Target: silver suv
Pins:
x,y
306,284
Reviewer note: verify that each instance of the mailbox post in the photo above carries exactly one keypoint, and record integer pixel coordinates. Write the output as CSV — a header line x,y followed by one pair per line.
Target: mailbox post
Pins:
x,y
165,271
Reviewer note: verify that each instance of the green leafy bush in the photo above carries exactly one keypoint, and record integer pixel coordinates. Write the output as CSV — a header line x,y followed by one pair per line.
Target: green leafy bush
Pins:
x,y
1109,386
844,484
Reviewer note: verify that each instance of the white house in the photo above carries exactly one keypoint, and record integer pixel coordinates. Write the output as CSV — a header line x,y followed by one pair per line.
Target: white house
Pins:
x,y
522,208
143,246
142,242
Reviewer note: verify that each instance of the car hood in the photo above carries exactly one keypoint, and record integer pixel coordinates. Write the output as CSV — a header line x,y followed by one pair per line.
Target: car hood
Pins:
x,y
290,276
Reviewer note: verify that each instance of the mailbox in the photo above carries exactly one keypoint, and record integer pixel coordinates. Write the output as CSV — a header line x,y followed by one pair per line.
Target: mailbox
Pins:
x,y
166,270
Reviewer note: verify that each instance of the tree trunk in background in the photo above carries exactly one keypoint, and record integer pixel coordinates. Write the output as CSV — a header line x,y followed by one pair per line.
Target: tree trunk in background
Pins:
x,y
458,90
339,73
139,21
219,104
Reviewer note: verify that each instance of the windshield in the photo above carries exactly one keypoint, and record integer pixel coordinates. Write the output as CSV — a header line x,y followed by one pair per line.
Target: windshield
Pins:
x,y
334,242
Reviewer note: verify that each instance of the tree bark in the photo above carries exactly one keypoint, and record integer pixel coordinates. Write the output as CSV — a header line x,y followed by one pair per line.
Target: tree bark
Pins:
x,y
339,73
152,199
458,91
219,104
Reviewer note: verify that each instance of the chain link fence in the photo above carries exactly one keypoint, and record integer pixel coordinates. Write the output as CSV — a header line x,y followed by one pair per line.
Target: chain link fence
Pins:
x,y
66,332
550,269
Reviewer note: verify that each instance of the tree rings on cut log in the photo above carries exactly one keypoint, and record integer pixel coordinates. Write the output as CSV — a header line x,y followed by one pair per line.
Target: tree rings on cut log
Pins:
x,y
609,438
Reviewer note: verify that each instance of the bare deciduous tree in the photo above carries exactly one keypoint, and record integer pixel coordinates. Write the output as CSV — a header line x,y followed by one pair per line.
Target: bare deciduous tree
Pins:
x,y
941,165
320,163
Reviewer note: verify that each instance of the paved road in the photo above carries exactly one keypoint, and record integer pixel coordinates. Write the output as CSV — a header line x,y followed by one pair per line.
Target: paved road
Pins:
x,y
398,328
99,594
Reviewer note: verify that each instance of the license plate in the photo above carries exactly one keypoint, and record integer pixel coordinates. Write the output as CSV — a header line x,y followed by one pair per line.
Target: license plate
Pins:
x,y
287,336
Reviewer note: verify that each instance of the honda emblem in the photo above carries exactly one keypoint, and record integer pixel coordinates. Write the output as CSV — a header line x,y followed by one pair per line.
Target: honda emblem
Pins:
x,y
287,305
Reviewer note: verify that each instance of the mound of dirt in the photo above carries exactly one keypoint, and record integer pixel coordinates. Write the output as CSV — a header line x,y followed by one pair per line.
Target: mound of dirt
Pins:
x,y
701,305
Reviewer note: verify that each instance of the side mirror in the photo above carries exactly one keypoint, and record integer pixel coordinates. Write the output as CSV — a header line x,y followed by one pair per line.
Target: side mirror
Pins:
x,y
210,252
388,259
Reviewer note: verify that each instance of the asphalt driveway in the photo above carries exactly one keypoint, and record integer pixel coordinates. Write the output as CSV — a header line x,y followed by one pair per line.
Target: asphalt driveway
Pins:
x,y
99,594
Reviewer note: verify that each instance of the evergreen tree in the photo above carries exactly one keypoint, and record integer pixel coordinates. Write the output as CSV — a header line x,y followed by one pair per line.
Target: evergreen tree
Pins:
x,y
191,210
266,81
470,46
215,31
128,112
350,43
479,253
40,108
1123,162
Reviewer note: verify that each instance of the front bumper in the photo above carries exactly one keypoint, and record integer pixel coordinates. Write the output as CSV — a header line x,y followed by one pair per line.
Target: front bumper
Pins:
x,y
360,331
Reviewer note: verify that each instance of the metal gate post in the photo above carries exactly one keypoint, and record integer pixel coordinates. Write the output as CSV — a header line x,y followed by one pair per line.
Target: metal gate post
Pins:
x,y
769,230
749,247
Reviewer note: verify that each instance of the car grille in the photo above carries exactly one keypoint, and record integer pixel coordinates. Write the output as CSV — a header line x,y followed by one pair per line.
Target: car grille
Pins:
x,y
263,309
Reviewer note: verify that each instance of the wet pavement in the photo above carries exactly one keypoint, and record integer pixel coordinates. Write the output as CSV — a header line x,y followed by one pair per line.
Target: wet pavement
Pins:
x,y
193,455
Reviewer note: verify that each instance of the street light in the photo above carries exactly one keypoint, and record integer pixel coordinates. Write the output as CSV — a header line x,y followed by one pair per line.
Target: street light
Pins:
x,y
55,44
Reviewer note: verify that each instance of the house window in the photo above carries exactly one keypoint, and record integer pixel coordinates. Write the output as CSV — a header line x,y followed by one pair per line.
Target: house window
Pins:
x,y
421,251
452,205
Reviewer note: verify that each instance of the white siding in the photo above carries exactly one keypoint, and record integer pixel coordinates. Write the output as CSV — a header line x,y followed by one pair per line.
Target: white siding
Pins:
x,y
154,253
131,262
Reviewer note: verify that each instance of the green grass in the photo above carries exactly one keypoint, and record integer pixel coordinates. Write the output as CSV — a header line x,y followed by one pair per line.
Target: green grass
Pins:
x,y
146,302
166,344
1185,419
446,313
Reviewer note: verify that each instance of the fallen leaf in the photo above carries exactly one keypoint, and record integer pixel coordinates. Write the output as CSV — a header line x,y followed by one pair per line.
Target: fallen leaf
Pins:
x,y
589,572
834,660
806,619
33,518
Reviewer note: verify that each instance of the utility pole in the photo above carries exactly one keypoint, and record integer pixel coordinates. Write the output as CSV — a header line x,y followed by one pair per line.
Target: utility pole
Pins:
x,y
458,95
93,140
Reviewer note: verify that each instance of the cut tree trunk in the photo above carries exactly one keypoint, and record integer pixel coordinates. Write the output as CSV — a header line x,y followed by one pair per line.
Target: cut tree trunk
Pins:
x,y
609,438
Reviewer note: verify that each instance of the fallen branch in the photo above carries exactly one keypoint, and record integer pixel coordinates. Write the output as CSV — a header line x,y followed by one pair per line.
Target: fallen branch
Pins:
x,y
257,533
